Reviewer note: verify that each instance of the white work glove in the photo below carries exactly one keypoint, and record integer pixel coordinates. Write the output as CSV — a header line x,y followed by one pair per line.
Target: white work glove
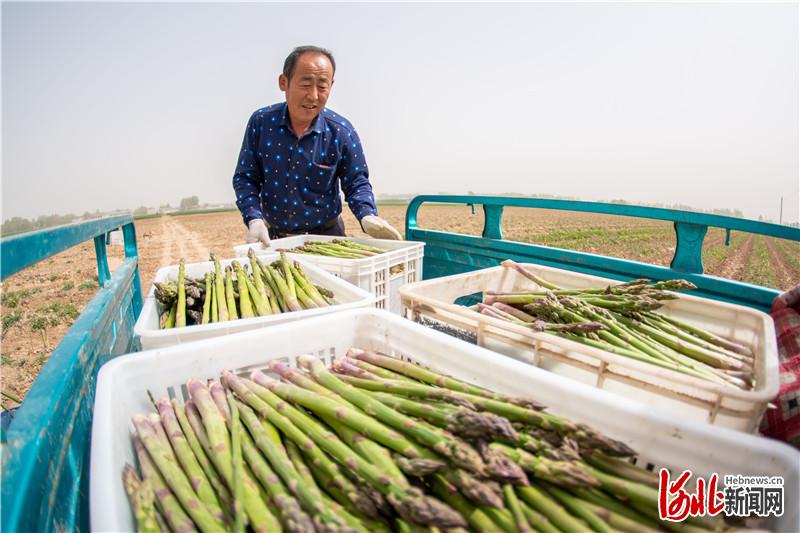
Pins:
x,y
378,228
257,232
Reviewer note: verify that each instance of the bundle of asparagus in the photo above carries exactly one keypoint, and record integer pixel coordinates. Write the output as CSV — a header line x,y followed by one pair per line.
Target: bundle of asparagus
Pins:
x,y
236,293
377,444
341,248
344,249
621,319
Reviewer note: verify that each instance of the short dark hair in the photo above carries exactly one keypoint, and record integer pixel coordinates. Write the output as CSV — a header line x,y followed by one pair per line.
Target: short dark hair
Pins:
x,y
291,59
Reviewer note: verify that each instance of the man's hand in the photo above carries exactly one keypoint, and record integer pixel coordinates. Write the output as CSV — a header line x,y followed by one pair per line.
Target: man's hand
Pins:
x,y
378,228
257,232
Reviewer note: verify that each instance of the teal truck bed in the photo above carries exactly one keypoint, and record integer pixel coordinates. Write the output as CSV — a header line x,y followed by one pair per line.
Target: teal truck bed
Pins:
x,y
45,456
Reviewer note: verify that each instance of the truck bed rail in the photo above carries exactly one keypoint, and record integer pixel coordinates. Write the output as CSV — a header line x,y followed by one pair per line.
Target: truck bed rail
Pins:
x,y
45,455
451,253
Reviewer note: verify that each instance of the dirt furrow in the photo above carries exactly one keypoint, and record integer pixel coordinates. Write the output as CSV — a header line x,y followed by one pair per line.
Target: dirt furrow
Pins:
x,y
736,260
786,276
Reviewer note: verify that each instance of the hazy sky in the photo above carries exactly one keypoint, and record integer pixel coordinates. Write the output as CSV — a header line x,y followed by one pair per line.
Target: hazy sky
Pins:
x,y
110,105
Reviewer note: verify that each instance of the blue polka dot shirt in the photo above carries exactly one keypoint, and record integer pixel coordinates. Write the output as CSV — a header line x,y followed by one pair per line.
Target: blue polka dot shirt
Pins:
x,y
294,183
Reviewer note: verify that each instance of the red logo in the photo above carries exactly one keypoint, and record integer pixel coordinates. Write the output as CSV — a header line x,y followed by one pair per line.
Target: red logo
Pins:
x,y
675,503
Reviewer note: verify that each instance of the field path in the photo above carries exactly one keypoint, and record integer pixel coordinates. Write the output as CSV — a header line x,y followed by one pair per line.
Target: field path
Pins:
x,y
189,243
735,263
166,241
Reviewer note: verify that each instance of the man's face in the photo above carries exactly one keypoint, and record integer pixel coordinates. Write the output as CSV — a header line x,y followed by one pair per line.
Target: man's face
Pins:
x,y
308,89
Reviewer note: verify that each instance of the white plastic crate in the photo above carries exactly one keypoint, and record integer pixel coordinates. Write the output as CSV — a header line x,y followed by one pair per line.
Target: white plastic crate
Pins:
x,y
373,274
686,396
346,296
659,438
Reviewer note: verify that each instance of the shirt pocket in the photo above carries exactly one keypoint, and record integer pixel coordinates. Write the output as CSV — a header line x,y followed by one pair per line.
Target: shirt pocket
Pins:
x,y
320,178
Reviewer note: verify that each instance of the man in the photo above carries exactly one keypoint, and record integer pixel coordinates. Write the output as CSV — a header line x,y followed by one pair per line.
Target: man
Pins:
x,y
296,155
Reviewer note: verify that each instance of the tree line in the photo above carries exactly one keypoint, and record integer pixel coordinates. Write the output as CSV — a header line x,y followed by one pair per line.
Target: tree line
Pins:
x,y
16,225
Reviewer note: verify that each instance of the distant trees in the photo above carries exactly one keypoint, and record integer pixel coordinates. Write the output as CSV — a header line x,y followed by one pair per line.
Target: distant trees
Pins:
x,y
141,210
16,225
190,202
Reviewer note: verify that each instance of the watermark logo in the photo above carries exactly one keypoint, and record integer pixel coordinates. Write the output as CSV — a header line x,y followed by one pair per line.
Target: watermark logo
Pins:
x,y
742,496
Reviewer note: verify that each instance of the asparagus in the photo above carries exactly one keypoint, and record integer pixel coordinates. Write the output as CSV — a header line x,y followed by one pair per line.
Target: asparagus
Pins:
x,y
245,305
409,503
513,504
141,498
287,297
556,514
293,517
291,288
266,439
563,473
537,520
258,397
187,458
230,297
587,437
258,280
376,371
404,388
623,469
199,452
305,300
708,336
432,378
214,304
473,488
180,314
329,495
166,501
166,293
611,505
578,508
175,477
236,456
425,463
261,303
359,246
476,518
305,284
219,280
327,407
616,521
170,322
636,331
459,453
455,419
272,287
341,501
207,300
692,350
260,516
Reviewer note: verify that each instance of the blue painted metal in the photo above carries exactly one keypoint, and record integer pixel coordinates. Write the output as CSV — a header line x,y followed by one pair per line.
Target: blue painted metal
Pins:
x,y
449,253
22,251
689,250
493,214
46,448
103,273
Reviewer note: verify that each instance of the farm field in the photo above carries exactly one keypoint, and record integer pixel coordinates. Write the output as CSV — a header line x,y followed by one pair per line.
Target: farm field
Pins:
x,y
40,303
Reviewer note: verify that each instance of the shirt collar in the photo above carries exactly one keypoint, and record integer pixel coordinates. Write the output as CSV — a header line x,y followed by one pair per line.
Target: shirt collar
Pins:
x,y
318,125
